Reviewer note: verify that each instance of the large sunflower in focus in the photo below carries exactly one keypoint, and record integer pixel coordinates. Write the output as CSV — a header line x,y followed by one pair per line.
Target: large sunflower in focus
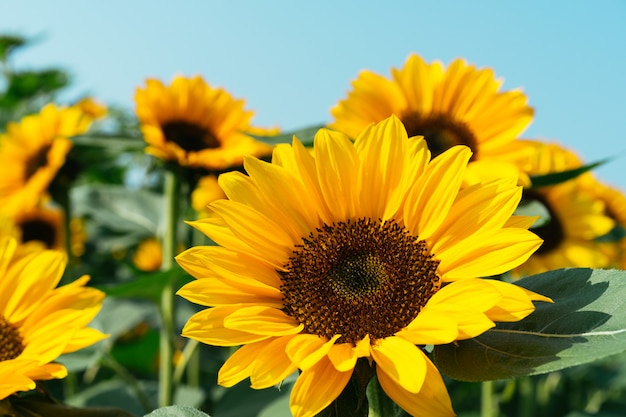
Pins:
x,y
39,322
577,215
457,105
33,151
355,256
193,124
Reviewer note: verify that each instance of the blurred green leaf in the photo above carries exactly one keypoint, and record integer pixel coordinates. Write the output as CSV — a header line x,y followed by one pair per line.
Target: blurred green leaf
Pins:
x,y
533,208
8,43
256,401
27,85
36,405
119,316
148,286
555,178
305,135
586,322
177,411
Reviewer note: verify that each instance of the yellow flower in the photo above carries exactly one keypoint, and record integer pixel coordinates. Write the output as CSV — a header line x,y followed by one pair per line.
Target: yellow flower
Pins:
x,y
196,125
92,108
33,151
577,216
39,322
43,224
207,191
615,208
458,105
361,250
149,255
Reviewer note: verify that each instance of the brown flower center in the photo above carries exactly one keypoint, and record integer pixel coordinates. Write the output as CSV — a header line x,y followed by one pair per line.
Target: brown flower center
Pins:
x,y
40,159
10,341
358,278
189,136
38,229
551,232
441,132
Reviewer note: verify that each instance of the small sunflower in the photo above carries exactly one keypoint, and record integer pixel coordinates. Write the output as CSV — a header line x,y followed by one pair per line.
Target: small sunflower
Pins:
x,y
577,215
355,255
614,201
39,322
43,224
458,105
149,255
33,151
207,191
196,125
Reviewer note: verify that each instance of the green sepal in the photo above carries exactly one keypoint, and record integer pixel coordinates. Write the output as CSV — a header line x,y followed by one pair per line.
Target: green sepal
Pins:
x,y
554,178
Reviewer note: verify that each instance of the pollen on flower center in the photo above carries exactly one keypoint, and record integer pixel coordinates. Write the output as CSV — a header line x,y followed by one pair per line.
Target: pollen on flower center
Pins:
x,y
189,136
440,132
10,341
551,232
358,278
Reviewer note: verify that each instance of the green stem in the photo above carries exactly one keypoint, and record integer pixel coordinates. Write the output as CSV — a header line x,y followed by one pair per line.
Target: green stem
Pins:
x,y
487,400
129,379
166,350
189,352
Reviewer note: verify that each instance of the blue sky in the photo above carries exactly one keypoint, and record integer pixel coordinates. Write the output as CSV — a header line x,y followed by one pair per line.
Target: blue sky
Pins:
x,y
292,61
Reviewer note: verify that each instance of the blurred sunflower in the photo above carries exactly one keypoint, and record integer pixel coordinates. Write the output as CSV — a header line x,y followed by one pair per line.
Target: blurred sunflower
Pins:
x,y
33,151
148,255
459,105
39,322
207,191
613,245
91,108
577,215
358,258
43,224
193,124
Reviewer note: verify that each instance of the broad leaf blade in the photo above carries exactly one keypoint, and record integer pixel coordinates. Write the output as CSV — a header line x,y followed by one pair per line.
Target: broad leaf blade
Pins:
x,y
555,178
586,322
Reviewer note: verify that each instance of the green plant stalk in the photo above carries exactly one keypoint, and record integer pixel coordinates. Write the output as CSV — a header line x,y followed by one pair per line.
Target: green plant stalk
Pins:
x,y
487,400
166,347
380,405
189,353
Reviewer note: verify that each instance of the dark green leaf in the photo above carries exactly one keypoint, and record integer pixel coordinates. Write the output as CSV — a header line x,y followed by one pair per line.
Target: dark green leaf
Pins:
x,y
586,322
27,85
554,178
147,286
177,411
8,43
37,405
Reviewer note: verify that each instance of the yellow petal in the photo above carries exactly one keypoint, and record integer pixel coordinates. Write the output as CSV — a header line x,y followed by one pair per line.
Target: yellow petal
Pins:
x,y
207,326
401,360
263,321
432,400
239,365
272,364
306,350
344,355
430,328
516,302
316,388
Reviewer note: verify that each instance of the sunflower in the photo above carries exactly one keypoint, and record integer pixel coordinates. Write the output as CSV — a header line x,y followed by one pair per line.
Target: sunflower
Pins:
x,y
207,191
33,151
196,125
149,255
351,256
577,216
43,224
458,105
39,322
614,199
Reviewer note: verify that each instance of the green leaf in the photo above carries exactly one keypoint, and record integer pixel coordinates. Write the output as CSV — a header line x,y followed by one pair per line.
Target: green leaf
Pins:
x,y
177,411
37,405
533,208
147,286
8,43
304,135
555,178
27,85
586,322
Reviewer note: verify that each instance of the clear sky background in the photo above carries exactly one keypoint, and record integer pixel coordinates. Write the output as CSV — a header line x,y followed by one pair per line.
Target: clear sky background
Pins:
x,y
293,60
